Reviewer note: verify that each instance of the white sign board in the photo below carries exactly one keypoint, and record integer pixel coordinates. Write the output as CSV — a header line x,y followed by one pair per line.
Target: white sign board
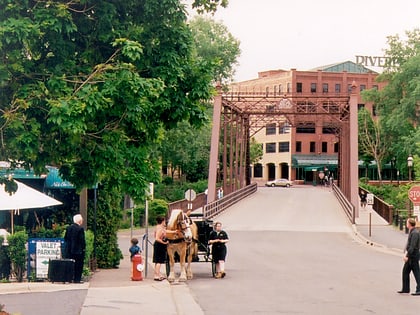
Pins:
x,y
416,210
190,195
370,198
44,252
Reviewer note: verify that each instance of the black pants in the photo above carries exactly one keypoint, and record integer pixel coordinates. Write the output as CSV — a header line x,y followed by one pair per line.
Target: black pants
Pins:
x,y
410,265
78,266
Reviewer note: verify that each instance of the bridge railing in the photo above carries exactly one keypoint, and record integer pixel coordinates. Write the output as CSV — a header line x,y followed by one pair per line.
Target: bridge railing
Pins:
x,y
384,209
218,206
345,203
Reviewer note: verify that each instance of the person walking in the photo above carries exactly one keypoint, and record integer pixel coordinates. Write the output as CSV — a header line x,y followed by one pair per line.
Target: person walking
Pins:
x,y
159,248
75,245
363,199
411,258
218,239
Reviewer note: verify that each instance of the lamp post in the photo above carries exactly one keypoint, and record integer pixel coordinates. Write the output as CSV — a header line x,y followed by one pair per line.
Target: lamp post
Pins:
x,y
410,166
392,167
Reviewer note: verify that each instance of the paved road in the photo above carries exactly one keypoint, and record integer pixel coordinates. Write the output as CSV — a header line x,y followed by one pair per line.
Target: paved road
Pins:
x,y
291,252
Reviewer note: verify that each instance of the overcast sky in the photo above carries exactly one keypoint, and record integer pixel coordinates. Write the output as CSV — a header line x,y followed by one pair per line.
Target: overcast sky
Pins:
x,y
304,34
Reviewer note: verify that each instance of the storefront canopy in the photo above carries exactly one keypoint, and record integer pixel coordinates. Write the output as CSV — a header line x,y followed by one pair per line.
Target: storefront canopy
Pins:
x,y
314,162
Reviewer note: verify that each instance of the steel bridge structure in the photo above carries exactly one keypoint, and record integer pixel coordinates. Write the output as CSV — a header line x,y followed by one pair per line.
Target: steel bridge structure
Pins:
x,y
237,116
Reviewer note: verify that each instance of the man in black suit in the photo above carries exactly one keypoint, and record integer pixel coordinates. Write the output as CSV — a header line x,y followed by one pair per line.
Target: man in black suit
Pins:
x,y
411,258
75,246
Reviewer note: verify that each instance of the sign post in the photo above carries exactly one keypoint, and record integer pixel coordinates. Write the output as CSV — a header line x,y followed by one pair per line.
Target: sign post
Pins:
x,y
190,195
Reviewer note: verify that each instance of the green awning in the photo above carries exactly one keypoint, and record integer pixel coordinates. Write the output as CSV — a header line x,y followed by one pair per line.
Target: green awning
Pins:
x,y
54,180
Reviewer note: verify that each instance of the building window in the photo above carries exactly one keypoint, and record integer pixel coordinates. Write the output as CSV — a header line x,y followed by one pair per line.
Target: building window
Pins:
x,y
349,88
324,87
312,146
280,89
338,88
313,87
374,110
288,88
299,87
324,147
375,87
298,146
284,146
275,90
360,106
270,129
267,91
284,128
336,147
258,170
305,128
362,87
270,147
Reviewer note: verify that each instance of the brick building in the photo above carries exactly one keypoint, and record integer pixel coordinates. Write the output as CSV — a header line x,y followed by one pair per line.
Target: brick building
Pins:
x,y
302,151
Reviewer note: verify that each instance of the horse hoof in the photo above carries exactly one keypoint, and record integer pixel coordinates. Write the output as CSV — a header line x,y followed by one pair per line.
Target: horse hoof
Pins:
x,y
171,280
182,279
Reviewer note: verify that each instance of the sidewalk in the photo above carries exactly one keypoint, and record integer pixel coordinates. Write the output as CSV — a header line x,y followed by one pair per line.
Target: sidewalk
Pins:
x,y
111,291
372,229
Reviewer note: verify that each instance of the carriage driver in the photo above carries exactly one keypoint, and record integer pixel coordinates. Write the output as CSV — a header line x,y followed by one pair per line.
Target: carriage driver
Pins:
x,y
218,238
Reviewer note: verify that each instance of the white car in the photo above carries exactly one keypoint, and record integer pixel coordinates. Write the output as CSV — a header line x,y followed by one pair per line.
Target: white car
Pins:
x,y
282,182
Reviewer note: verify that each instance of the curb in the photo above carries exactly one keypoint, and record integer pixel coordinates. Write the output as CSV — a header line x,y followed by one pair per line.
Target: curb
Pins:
x,y
360,238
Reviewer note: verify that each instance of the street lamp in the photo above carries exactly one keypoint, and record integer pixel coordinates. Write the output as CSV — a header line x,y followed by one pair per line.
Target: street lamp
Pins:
x,y
410,166
392,167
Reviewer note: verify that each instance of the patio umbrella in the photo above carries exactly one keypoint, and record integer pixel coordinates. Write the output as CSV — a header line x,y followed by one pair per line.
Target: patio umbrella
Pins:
x,y
24,198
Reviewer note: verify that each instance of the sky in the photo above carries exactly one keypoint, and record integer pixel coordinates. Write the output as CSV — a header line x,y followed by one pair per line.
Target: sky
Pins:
x,y
305,34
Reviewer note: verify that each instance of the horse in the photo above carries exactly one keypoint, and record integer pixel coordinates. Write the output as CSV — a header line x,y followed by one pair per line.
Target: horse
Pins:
x,y
182,235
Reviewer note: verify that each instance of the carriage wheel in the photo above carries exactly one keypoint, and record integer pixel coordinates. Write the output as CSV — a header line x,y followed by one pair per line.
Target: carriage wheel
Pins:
x,y
213,268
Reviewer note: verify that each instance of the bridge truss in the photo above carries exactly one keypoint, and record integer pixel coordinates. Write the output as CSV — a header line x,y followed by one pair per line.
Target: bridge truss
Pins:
x,y
238,116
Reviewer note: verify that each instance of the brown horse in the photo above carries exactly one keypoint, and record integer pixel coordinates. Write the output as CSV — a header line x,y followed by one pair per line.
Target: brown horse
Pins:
x,y
182,238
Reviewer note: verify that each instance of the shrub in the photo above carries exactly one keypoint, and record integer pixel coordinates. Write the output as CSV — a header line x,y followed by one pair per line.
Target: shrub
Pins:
x,y
17,253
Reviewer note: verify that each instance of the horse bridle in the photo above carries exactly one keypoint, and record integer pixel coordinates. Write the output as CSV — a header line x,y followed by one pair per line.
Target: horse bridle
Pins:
x,y
185,227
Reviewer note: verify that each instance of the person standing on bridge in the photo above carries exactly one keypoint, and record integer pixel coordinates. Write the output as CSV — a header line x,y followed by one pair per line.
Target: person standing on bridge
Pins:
x,y
363,199
218,239
411,258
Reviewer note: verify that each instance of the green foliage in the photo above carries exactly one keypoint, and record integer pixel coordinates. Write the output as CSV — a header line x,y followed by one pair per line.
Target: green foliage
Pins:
x,y
89,86
393,195
108,219
397,103
4,261
176,191
157,207
256,151
41,232
372,139
214,43
17,253
89,250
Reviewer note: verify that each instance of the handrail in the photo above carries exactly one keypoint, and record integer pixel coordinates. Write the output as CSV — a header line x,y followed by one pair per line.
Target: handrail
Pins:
x,y
385,210
214,208
345,203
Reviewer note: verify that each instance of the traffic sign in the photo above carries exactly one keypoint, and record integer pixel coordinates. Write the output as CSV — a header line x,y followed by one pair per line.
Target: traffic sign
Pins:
x,y
414,194
190,194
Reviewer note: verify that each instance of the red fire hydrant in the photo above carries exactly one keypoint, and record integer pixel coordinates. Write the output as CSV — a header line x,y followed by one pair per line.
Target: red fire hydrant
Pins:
x,y
137,270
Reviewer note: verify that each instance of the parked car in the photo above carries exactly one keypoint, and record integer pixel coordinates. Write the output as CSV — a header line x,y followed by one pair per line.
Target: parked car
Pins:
x,y
282,182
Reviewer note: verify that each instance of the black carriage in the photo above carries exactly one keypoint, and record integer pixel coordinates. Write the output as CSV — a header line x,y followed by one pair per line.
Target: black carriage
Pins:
x,y
204,228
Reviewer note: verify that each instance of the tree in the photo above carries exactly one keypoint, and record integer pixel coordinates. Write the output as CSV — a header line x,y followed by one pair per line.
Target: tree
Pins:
x,y
90,86
214,43
256,151
372,139
398,103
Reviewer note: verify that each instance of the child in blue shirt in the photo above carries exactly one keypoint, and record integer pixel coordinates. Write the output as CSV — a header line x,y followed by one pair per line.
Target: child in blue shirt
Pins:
x,y
134,249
